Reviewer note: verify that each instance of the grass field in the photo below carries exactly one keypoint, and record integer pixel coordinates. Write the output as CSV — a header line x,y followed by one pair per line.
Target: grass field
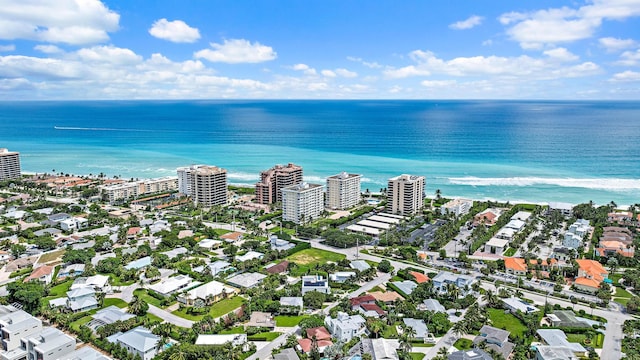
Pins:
x,y
114,301
510,252
142,293
265,336
463,344
233,330
315,256
82,321
60,289
622,293
289,321
596,341
417,356
48,257
218,309
507,322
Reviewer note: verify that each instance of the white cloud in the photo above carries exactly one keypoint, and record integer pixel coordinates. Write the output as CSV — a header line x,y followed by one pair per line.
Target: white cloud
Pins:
x,y
48,49
236,51
109,54
536,29
328,73
469,23
487,42
304,68
62,21
10,47
371,65
614,44
346,73
626,76
561,54
494,66
438,83
175,31
629,58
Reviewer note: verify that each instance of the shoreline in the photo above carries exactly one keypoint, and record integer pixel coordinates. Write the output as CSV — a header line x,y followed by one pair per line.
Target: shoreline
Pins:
x,y
622,207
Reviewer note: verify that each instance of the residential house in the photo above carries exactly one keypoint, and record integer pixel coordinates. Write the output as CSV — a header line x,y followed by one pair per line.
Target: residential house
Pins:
x,y
345,327
139,264
172,285
16,324
546,352
419,277
566,318
174,253
557,338
515,304
85,353
471,354
456,207
232,237
4,256
590,275
246,280
419,327
322,338
380,349
221,339
286,354
43,274
342,276
108,315
279,268
515,266
71,270
261,319
445,278
496,245
210,244
496,339
280,244
250,255
387,298
371,310
359,265
613,247
432,305
359,300
622,217
406,286
487,218
218,267
82,299
291,305
210,292
48,344
315,283
97,282
137,341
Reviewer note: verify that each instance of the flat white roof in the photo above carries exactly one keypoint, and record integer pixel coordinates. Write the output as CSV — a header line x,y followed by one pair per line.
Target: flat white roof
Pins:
x,y
394,216
374,224
219,339
384,219
497,242
364,229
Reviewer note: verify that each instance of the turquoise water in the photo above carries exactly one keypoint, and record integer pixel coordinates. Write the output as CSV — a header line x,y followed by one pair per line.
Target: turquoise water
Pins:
x,y
535,151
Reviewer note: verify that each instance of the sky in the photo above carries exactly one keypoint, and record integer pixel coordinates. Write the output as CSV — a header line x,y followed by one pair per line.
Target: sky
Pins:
x,y
330,49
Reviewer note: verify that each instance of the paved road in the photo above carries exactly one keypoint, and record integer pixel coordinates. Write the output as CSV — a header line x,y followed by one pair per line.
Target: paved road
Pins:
x,y
380,279
265,352
170,318
445,342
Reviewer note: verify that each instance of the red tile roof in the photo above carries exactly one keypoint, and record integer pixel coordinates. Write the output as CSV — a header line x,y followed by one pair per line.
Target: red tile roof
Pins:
x,y
372,307
133,230
320,332
356,301
515,264
279,268
40,272
420,277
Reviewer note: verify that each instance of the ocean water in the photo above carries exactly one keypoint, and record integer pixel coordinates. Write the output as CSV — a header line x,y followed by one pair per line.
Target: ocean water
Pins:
x,y
508,150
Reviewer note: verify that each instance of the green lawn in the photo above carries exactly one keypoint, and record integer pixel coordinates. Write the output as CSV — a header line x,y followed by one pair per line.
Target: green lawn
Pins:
x,y
507,321
622,301
289,321
510,252
390,332
315,256
265,336
115,281
233,330
114,301
60,289
45,258
417,356
620,292
596,341
153,319
221,231
218,309
463,344
142,293
82,321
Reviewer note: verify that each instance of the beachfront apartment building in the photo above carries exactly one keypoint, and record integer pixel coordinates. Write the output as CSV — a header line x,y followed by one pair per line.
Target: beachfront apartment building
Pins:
x,y
206,185
129,190
272,181
9,165
457,207
405,194
302,202
343,191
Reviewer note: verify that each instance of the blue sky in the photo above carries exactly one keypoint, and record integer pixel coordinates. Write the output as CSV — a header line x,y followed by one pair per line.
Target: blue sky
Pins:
x,y
91,49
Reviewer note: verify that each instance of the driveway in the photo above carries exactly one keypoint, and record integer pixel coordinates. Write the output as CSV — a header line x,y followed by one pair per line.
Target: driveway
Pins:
x,y
265,352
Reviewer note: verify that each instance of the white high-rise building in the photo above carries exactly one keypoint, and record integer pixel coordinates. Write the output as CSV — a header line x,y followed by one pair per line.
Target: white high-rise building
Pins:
x,y
343,191
405,194
206,185
9,164
302,202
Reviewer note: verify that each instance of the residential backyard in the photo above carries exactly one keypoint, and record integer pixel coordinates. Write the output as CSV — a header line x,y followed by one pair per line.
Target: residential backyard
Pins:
x,y
289,321
507,321
216,310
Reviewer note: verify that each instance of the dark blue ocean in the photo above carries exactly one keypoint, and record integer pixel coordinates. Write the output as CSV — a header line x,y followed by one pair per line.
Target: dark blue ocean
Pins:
x,y
509,150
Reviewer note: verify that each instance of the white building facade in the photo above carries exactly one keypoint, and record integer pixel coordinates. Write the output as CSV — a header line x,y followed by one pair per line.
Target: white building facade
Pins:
x,y
302,202
206,185
9,165
343,191
405,194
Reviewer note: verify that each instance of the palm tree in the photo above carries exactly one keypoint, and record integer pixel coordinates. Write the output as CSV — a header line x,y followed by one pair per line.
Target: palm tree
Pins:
x,y
138,306
460,328
375,327
178,354
491,298
438,194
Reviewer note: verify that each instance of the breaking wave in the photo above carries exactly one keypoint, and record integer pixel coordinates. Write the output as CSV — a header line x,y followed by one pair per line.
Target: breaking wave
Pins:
x,y
611,184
